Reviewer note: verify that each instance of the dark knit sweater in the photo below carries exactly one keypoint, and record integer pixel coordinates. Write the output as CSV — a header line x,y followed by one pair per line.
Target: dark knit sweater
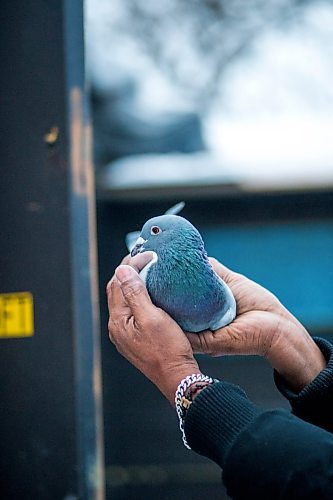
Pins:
x,y
269,454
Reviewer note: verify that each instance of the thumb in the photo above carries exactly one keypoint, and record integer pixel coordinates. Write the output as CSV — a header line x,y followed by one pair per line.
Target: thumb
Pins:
x,y
140,260
196,341
134,291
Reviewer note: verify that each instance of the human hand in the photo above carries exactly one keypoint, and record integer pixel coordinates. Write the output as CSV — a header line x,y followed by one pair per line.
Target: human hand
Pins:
x,y
265,327
147,336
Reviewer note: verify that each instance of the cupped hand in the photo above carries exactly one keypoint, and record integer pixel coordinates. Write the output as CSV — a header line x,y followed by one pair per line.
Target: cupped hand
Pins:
x,y
265,327
148,337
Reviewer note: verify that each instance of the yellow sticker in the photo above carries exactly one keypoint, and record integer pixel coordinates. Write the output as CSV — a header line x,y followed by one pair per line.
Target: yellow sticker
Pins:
x,y
16,315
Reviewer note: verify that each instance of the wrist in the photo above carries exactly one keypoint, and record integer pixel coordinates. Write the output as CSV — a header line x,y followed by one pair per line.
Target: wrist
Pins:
x,y
194,389
296,357
171,377
186,391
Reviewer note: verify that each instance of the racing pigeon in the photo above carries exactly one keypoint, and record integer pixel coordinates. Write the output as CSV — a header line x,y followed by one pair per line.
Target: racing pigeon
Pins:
x,y
179,278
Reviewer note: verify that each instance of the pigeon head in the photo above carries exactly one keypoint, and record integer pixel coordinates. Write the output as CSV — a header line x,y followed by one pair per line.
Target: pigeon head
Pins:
x,y
167,232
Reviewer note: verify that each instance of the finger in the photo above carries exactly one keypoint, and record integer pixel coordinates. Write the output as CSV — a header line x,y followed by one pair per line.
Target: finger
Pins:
x,y
213,343
134,292
117,304
208,342
231,339
242,336
126,259
195,341
224,272
139,261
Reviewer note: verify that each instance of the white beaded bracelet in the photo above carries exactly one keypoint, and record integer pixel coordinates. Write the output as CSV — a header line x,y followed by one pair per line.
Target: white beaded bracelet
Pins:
x,y
180,395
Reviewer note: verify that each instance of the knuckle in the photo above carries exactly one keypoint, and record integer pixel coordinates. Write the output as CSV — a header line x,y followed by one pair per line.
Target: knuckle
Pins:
x,y
110,325
108,287
150,322
113,327
126,259
154,321
132,289
111,336
204,343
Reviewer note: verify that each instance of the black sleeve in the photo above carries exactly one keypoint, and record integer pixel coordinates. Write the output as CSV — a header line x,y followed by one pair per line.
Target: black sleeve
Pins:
x,y
264,454
315,402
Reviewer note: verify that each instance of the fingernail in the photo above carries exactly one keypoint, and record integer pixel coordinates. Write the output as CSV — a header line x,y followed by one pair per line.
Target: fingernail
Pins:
x,y
123,273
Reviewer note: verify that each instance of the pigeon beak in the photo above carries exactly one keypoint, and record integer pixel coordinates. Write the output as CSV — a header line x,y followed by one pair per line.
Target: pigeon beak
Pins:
x,y
138,246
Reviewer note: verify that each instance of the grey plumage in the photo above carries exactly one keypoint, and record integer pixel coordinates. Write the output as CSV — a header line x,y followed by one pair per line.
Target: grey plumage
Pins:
x,y
180,278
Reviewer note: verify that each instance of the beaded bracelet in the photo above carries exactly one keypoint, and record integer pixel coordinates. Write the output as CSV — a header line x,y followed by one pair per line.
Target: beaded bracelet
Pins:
x,y
182,403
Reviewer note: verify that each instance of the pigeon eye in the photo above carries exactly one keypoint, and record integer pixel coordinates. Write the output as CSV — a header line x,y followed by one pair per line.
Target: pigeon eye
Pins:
x,y
155,230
